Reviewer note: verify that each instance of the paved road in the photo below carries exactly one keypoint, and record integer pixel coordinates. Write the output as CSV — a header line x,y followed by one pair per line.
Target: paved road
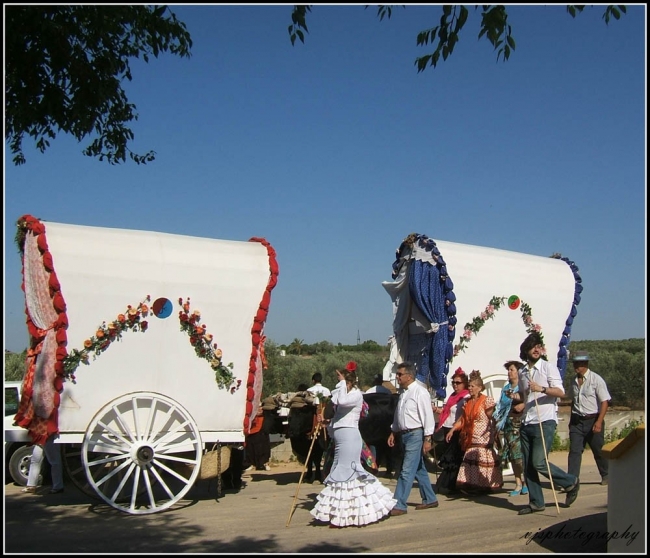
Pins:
x,y
254,520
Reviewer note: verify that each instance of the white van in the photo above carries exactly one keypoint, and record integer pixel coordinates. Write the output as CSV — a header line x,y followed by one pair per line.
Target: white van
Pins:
x,y
18,446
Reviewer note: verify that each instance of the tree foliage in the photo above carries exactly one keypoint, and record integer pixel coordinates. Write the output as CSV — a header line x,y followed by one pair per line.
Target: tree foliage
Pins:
x,y
64,66
15,366
285,373
622,365
444,36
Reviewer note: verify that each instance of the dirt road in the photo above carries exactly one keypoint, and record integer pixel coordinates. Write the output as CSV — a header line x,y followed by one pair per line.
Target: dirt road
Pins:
x,y
254,520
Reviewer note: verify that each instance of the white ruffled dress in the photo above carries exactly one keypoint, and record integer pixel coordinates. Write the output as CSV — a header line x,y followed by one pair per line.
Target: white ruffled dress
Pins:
x,y
352,496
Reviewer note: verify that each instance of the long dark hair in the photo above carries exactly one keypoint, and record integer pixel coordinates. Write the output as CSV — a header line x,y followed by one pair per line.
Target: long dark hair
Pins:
x,y
531,341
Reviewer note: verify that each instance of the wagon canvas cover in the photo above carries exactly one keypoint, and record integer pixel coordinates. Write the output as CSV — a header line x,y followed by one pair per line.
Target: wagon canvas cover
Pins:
x,y
458,305
184,307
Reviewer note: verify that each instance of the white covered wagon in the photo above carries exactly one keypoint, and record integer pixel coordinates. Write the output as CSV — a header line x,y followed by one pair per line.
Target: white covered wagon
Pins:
x,y
147,350
457,305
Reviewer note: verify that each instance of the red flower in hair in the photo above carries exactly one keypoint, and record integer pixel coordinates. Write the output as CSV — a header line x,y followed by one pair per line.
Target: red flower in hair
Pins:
x,y
351,366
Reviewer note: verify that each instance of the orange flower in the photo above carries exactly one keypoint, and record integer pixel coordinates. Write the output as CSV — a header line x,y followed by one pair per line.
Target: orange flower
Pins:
x,y
88,343
99,334
218,353
144,309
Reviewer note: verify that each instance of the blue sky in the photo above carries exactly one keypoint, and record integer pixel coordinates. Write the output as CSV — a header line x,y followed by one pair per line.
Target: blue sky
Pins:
x,y
336,149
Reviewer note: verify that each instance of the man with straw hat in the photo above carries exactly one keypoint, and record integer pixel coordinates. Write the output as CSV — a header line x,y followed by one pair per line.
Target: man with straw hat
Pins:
x,y
540,386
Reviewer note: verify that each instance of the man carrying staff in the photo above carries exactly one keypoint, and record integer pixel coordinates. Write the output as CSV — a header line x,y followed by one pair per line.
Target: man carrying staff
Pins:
x,y
540,385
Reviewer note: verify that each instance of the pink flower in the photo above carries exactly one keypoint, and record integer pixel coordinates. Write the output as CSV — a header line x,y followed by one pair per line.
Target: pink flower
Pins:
x,y
537,327
484,315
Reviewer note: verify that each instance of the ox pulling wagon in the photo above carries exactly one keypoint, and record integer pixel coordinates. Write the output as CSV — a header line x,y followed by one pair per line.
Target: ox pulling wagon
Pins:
x,y
136,417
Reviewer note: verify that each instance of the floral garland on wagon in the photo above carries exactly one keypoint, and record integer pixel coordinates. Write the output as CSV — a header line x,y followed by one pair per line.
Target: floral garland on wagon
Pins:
x,y
474,326
133,320
130,320
203,346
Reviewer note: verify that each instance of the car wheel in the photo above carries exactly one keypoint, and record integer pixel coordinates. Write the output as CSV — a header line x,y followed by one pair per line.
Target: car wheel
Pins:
x,y
19,464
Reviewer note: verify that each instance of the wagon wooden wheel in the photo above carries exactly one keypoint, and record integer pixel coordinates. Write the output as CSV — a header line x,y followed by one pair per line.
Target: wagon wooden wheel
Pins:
x,y
141,452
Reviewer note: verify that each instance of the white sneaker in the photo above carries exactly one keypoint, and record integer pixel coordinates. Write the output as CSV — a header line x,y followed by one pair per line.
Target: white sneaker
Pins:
x,y
267,468
249,469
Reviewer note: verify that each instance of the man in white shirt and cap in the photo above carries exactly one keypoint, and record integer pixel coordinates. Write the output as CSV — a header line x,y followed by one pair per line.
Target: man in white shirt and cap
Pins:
x,y
590,401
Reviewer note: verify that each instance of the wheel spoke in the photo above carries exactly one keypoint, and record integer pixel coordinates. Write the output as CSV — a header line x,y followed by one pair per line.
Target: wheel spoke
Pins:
x,y
114,433
124,480
134,403
162,441
114,472
125,426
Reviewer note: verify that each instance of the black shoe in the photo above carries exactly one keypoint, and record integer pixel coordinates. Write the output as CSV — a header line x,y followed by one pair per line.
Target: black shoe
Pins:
x,y
57,491
528,509
572,493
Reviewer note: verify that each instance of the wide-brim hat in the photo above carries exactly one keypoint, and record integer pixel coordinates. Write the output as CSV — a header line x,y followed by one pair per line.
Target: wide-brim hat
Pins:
x,y
581,356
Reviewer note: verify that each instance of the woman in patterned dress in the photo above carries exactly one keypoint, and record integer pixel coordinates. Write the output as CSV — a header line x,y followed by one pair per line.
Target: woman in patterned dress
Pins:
x,y
507,418
479,471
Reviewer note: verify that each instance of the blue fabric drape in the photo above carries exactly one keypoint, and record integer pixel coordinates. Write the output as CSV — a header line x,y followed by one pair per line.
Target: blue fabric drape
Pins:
x,y
427,293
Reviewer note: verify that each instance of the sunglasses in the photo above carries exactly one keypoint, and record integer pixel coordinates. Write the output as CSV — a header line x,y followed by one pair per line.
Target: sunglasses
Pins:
x,y
398,374
456,383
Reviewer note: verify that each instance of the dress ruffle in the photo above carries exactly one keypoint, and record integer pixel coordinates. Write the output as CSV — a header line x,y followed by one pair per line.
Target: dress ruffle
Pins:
x,y
357,502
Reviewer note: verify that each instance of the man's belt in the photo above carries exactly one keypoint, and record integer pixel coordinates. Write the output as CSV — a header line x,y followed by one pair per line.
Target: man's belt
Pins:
x,y
407,430
584,417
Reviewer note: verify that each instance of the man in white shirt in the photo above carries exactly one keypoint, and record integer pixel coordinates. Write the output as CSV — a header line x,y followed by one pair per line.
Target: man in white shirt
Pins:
x,y
414,423
540,386
590,402
318,388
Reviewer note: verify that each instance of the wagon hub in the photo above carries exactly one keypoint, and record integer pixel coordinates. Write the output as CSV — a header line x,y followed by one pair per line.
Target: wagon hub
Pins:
x,y
142,454
145,454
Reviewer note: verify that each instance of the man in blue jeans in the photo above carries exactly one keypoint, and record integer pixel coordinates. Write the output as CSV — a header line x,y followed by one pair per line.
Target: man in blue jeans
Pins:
x,y
540,385
414,422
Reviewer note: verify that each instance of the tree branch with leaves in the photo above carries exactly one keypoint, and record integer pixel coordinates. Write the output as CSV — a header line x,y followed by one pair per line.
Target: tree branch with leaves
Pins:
x,y
64,66
444,36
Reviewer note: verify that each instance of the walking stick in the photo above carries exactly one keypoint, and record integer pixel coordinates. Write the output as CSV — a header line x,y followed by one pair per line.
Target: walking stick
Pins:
x,y
313,439
548,465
